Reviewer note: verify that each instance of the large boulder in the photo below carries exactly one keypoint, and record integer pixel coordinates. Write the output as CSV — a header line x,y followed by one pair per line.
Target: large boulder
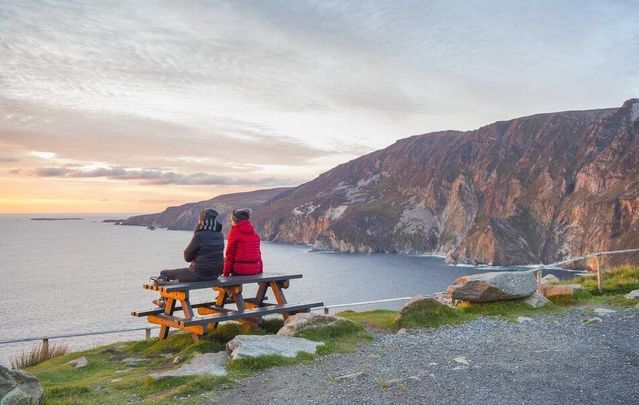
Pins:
x,y
245,346
495,286
200,364
306,321
554,290
18,387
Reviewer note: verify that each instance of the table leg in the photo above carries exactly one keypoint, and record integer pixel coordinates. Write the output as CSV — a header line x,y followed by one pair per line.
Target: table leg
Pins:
x,y
169,308
219,301
279,295
261,294
188,314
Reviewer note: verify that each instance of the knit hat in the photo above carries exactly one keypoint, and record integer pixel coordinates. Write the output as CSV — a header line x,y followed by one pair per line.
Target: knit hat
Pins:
x,y
207,221
241,213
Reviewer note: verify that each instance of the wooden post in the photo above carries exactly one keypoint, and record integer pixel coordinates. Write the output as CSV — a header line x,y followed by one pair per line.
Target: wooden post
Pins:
x,y
147,333
538,276
325,310
601,268
45,348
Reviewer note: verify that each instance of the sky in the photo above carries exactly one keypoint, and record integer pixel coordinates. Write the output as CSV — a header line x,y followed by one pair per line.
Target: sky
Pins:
x,y
132,106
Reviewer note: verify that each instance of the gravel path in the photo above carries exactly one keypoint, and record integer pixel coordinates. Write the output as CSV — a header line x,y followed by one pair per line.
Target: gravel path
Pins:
x,y
551,359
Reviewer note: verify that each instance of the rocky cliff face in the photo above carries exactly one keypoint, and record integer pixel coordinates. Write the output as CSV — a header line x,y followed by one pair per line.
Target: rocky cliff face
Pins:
x,y
184,217
533,189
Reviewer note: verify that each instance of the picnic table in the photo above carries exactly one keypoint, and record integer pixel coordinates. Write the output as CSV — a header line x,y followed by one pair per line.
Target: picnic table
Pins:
x,y
227,290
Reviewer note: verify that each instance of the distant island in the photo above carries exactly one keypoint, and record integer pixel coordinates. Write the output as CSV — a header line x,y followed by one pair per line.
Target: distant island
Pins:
x,y
57,219
114,221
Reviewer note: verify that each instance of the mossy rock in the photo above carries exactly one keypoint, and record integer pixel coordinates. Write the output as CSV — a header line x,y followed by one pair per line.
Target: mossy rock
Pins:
x,y
427,312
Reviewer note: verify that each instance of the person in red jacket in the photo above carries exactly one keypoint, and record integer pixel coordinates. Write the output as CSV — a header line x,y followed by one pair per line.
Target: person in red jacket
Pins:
x,y
243,254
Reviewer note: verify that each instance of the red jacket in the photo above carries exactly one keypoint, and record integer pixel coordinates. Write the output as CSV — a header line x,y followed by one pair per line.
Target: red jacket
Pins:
x,y
243,255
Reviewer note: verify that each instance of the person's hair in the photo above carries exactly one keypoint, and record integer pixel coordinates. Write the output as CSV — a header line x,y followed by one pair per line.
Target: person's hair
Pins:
x,y
207,221
240,214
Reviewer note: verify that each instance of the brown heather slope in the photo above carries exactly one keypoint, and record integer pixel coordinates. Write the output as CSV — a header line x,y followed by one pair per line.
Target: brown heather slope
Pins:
x,y
529,190
184,217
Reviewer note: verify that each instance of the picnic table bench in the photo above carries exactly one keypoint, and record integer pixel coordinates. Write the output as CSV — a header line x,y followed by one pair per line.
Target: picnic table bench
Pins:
x,y
228,290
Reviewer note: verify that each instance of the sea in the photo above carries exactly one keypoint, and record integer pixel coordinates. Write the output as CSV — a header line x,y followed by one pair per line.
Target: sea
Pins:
x,y
64,277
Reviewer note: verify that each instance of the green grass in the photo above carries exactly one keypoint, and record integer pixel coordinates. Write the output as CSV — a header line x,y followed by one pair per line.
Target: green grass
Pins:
x,y
429,314
338,338
382,319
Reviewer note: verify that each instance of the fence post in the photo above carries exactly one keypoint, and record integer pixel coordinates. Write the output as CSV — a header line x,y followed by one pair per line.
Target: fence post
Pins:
x,y
538,277
601,268
147,333
325,311
45,348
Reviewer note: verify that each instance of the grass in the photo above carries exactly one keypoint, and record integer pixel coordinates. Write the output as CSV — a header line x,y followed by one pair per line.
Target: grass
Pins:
x,y
108,380
38,355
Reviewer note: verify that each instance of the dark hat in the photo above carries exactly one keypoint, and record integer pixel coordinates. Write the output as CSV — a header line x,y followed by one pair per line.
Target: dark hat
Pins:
x,y
241,213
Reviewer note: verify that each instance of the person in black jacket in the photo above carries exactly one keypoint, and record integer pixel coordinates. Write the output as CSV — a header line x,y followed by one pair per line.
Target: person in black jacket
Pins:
x,y
205,252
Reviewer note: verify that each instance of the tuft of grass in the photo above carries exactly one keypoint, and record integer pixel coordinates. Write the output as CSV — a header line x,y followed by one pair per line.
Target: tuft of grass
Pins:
x,y
341,338
382,319
247,366
429,314
619,281
38,355
510,309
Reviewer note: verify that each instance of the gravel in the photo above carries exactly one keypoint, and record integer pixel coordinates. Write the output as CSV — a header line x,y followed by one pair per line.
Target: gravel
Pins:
x,y
550,359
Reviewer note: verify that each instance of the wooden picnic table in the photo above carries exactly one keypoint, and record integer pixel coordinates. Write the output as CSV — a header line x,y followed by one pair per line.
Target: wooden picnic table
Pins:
x,y
227,290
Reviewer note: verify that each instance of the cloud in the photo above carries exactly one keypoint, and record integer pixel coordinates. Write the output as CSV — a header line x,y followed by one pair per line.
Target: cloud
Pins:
x,y
159,177
8,159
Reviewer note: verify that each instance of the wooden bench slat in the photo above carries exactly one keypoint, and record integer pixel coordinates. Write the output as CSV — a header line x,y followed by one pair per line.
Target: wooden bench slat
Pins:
x,y
250,313
223,282
157,311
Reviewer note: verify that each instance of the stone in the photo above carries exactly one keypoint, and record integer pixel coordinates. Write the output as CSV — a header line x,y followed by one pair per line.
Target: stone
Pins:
x,y
444,299
80,362
549,279
604,311
116,380
244,346
493,286
524,319
633,294
419,302
461,360
200,364
401,331
178,359
18,387
553,290
306,320
134,361
351,376
593,320
536,300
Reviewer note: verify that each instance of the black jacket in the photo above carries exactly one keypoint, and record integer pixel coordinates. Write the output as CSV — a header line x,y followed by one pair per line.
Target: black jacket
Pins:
x,y
206,253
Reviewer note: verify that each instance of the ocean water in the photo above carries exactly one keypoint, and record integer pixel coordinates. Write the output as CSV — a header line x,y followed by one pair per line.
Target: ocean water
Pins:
x,y
64,277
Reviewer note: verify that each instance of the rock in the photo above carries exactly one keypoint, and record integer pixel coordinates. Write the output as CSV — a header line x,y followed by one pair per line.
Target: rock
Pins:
x,y
351,376
116,380
243,346
135,398
461,360
523,319
552,290
401,331
633,294
418,302
134,361
444,299
18,387
536,300
593,320
200,364
549,279
604,311
494,286
80,362
178,359
306,320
